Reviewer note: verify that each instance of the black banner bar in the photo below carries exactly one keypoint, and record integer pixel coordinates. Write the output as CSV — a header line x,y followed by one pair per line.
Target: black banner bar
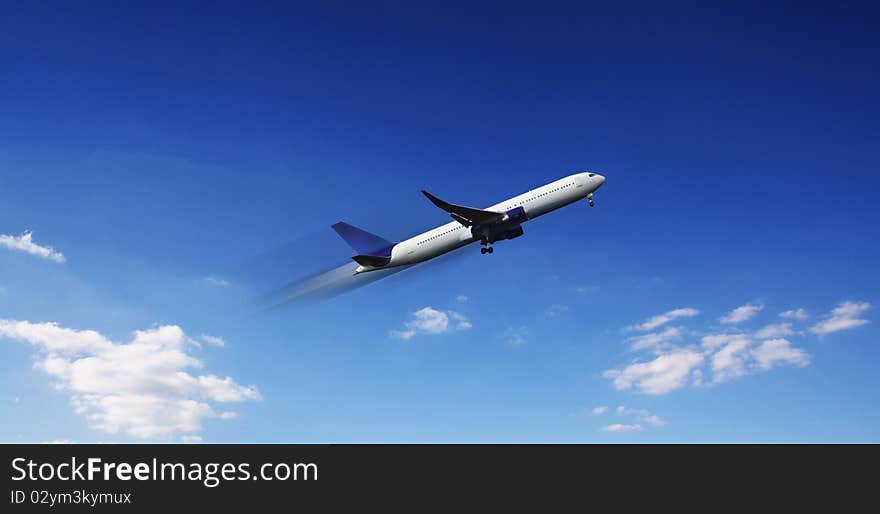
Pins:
x,y
138,478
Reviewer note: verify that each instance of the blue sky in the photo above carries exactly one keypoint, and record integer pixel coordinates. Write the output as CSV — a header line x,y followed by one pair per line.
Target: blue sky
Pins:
x,y
158,148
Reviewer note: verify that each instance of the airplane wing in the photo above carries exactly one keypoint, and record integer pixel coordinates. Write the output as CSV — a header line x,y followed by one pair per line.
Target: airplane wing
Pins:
x,y
467,216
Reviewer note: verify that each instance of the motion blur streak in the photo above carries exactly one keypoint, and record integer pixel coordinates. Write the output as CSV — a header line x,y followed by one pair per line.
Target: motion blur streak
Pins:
x,y
324,285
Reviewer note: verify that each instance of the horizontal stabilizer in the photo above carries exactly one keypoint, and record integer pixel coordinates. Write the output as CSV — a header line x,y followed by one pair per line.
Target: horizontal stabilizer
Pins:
x,y
467,216
369,245
371,260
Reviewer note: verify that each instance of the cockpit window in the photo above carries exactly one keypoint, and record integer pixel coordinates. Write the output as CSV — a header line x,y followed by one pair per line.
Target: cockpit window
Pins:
x,y
591,174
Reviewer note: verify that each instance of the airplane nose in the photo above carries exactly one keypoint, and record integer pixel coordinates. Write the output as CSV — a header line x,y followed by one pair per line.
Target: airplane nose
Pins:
x,y
599,178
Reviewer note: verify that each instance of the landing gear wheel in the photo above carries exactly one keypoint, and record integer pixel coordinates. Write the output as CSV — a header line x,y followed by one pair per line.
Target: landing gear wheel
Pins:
x,y
482,250
490,249
592,204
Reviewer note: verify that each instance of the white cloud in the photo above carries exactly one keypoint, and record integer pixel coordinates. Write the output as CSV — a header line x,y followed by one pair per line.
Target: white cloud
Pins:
x,y
213,340
641,415
712,342
619,427
735,355
461,322
600,410
514,336
461,298
774,331
738,356
432,321
665,373
191,439
141,388
741,313
843,316
661,319
654,420
225,389
557,309
54,339
25,243
717,358
799,314
731,360
656,341
779,351
215,281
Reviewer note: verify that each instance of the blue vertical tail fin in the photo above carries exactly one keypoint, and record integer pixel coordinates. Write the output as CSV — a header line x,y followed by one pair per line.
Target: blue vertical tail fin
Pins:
x,y
362,241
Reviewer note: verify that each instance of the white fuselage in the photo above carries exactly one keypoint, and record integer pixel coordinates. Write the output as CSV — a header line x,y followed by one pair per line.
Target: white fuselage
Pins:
x,y
452,235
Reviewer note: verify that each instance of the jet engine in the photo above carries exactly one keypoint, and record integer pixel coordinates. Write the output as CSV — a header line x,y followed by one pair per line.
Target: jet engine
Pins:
x,y
507,233
515,216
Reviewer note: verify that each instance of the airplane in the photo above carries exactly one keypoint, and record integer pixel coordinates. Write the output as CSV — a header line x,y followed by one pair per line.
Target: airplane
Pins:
x,y
496,223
